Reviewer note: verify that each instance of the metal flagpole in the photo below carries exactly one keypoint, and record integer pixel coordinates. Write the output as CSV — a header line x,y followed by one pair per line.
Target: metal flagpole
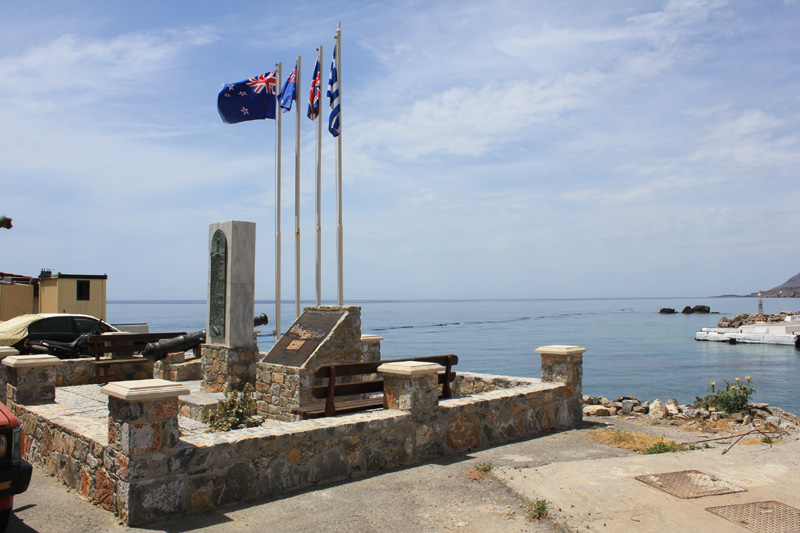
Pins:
x,y
339,225
319,187
277,331
297,85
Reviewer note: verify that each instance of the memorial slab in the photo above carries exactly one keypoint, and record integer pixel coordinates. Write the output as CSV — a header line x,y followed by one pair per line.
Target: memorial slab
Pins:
x,y
305,336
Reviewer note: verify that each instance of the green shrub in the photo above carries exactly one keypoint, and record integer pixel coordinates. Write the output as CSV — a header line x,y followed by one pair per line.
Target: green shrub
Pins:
x,y
236,411
732,399
484,467
538,510
663,446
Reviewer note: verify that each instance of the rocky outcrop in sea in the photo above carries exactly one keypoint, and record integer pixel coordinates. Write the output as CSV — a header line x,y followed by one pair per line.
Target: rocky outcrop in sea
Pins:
x,y
688,310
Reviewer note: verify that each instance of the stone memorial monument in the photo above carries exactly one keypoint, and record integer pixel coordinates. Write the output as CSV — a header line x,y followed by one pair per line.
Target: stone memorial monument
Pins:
x,y
230,352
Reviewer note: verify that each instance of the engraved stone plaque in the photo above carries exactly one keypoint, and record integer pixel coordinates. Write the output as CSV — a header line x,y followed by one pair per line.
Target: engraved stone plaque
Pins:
x,y
217,292
305,335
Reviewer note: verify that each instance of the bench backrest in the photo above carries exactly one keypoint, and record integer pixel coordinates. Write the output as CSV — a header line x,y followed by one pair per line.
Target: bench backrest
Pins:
x,y
334,371
125,343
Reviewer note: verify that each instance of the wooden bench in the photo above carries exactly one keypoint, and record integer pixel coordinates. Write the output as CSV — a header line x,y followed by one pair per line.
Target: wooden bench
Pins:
x,y
120,344
332,389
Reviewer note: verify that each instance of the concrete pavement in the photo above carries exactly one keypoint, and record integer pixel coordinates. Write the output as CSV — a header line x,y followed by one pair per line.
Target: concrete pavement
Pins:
x,y
602,494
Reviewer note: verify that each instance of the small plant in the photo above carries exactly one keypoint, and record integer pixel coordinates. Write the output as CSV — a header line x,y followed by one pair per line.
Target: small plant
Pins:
x,y
480,471
538,510
484,467
732,399
236,411
664,446
766,439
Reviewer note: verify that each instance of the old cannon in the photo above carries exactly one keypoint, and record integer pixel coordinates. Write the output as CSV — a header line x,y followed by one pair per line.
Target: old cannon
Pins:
x,y
155,351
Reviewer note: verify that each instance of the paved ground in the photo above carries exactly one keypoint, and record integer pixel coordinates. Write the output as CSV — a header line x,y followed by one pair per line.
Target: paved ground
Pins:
x,y
589,487
602,494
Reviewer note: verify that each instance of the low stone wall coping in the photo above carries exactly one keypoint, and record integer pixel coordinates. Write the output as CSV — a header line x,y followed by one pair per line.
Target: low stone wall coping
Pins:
x,y
560,349
370,339
410,368
6,351
144,389
32,361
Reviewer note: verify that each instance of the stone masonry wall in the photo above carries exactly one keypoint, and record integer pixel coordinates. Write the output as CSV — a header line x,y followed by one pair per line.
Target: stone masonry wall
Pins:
x,y
226,367
230,467
177,367
278,388
371,347
80,459
82,372
200,472
467,383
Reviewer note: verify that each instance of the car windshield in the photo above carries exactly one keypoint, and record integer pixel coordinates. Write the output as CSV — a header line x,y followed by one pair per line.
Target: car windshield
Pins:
x,y
87,325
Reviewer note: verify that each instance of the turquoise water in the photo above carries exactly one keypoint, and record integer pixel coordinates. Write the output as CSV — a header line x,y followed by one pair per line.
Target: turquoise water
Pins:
x,y
631,348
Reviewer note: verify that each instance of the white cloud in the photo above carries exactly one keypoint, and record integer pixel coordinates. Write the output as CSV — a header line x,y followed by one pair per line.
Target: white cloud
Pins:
x,y
72,70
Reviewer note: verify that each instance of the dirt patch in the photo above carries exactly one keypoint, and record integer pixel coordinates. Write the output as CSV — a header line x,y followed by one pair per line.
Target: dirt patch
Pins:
x,y
638,442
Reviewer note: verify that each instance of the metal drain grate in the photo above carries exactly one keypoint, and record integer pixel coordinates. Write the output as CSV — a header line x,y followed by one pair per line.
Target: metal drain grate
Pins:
x,y
689,484
762,517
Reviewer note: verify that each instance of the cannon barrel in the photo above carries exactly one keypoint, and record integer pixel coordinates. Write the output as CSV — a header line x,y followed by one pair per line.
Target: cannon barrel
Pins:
x,y
155,351
158,350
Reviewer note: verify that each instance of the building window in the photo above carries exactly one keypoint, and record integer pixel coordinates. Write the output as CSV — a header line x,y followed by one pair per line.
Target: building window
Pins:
x,y
83,290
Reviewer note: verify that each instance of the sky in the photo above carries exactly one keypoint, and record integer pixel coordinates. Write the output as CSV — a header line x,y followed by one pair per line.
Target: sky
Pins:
x,y
530,149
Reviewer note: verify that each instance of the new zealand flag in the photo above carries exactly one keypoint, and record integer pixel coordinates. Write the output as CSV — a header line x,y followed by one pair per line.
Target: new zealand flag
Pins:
x,y
288,92
252,99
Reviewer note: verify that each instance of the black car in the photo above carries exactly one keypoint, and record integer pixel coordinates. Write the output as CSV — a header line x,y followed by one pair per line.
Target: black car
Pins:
x,y
23,331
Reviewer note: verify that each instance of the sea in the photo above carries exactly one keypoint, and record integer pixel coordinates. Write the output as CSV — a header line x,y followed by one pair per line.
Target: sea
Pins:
x,y
631,349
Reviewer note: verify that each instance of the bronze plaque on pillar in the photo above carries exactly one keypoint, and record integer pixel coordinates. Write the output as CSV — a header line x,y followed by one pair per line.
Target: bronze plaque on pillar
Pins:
x,y
217,292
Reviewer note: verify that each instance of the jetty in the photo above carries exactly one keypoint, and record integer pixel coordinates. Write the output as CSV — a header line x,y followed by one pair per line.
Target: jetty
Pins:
x,y
787,333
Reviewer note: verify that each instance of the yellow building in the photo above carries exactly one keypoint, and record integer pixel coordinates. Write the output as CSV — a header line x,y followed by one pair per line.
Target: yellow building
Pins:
x,y
73,293
16,299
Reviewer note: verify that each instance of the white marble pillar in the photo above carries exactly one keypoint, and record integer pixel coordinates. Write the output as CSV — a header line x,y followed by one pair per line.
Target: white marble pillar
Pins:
x,y
239,283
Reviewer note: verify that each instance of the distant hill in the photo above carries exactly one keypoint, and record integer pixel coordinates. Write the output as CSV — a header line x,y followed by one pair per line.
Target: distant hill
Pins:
x,y
789,289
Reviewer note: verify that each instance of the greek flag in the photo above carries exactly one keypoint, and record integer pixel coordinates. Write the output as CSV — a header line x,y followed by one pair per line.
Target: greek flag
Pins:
x,y
334,126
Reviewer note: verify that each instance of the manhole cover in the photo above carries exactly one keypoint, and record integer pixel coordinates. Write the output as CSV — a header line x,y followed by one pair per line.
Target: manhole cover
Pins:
x,y
763,517
689,484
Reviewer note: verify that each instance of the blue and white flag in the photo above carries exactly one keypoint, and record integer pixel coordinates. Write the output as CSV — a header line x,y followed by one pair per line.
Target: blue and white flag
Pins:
x,y
251,99
289,91
334,125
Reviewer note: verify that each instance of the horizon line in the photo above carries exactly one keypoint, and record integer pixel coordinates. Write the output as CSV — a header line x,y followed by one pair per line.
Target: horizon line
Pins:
x,y
400,300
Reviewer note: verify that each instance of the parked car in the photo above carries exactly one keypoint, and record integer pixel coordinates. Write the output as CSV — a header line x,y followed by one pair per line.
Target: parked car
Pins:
x,y
15,472
23,331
